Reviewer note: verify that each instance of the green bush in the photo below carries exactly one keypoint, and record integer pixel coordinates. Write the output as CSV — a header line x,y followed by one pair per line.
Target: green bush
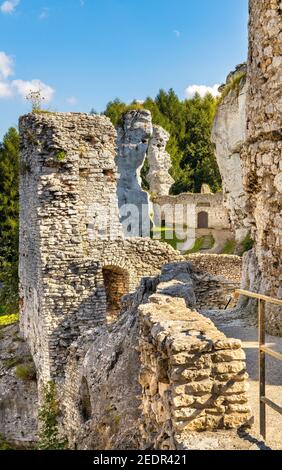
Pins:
x,y
26,371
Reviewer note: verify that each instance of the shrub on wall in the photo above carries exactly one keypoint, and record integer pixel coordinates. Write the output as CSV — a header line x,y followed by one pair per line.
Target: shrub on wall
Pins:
x,y
50,438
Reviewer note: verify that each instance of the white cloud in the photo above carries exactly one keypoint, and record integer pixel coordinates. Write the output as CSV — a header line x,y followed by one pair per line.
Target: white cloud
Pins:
x,y
10,88
202,90
6,65
44,14
23,88
5,90
177,33
9,6
72,100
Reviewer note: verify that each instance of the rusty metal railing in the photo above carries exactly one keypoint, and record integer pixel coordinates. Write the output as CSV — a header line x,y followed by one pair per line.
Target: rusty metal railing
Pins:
x,y
263,351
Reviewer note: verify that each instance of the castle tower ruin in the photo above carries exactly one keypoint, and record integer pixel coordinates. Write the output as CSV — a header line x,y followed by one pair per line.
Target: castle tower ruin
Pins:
x,y
75,264
262,158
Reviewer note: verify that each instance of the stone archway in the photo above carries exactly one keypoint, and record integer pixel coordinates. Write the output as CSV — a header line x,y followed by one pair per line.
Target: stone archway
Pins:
x,y
116,282
203,220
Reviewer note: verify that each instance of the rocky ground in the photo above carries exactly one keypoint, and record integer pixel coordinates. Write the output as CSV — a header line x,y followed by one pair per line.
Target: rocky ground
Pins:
x,y
18,390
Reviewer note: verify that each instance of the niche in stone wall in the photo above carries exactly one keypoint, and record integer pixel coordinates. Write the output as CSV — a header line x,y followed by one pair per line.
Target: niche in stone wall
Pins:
x,y
116,282
84,401
203,220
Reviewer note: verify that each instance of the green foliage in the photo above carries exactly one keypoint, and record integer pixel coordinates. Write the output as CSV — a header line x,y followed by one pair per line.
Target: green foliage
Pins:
x,y
229,247
26,371
9,226
50,438
197,246
61,156
12,362
248,243
167,235
189,123
4,445
6,320
233,84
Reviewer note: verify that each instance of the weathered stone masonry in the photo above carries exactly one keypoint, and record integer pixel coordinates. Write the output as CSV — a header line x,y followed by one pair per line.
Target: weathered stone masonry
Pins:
x,y
70,231
262,157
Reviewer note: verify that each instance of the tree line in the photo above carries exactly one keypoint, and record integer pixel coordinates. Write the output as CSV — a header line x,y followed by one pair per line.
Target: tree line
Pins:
x,y
189,123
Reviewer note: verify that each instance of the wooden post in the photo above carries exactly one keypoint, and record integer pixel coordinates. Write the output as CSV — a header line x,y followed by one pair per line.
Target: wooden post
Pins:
x,y
262,374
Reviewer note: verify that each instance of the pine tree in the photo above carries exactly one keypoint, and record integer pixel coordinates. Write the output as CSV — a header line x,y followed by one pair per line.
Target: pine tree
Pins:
x,y
9,225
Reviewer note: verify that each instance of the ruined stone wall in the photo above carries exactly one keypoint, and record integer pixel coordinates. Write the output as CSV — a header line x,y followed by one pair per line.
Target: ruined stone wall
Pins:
x,y
158,374
193,378
69,231
227,266
262,170
186,207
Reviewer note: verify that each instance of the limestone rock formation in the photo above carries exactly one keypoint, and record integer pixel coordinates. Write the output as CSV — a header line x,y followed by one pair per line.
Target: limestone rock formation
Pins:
x,y
132,143
229,135
18,396
262,162
159,161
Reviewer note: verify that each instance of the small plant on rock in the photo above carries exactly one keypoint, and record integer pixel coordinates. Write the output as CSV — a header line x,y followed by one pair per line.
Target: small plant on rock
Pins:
x,y
49,438
26,372
36,99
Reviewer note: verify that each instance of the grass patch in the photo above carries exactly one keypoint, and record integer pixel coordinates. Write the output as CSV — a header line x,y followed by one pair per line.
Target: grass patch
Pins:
x,y
12,362
246,245
6,320
26,371
234,84
61,156
229,247
43,111
167,235
197,246
4,445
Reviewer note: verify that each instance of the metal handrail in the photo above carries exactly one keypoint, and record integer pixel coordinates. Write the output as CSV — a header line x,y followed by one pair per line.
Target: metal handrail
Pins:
x,y
263,350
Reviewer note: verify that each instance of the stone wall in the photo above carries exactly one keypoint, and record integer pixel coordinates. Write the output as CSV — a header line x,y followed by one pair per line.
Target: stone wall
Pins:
x,y
158,374
70,231
186,207
262,170
193,378
227,266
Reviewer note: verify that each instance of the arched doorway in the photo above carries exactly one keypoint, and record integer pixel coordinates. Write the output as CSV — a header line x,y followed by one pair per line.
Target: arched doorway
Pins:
x,y
116,282
203,220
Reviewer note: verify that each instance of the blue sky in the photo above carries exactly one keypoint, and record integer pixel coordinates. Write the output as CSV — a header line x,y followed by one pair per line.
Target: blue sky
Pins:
x,y
87,52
